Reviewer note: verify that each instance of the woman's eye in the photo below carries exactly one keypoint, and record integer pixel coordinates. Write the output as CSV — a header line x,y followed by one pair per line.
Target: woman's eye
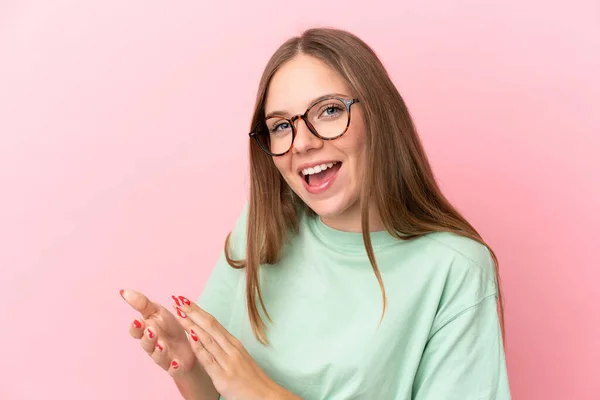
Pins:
x,y
329,111
280,127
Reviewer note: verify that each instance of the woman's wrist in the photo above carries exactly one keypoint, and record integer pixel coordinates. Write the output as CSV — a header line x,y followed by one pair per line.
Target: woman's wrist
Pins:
x,y
195,384
280,393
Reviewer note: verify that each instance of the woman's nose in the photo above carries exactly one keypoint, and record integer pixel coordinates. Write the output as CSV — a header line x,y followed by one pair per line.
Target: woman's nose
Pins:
x,y
305,140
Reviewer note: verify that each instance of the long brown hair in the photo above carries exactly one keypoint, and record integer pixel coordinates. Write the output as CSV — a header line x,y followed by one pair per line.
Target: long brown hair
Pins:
x,y
403,189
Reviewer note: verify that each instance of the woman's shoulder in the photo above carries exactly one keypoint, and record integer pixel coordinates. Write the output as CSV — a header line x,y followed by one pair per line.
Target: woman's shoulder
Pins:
x,y
461,251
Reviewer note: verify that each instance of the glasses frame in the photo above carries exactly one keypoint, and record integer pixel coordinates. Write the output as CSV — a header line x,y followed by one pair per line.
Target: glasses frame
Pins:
x,y
257,132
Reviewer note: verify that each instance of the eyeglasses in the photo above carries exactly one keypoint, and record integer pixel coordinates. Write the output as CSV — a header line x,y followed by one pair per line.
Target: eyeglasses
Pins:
x,y
327,119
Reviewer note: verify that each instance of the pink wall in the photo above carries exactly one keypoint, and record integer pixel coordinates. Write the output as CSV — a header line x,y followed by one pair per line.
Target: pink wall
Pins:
x,y
123,164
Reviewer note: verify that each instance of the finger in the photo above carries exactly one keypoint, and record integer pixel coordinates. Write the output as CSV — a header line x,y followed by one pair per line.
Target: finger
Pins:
x,y
175,369
160,355
208,323
136,329
211,363
203,344
148,341
207,350
140,303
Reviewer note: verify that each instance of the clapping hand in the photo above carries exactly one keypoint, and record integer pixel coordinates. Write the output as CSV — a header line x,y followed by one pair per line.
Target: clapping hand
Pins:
x,y
234,373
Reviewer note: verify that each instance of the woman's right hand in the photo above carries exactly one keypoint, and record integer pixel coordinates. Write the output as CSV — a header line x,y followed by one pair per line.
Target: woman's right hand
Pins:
x,y
161,336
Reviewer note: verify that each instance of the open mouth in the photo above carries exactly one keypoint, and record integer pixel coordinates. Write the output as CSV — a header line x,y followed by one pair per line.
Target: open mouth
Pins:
x,y
317,175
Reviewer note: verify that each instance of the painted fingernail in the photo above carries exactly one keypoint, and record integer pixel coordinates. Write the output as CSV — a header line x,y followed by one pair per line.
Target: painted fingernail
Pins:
x,y
150,333
174,364
137,324
122,293
176,300
193,335
180,313
185,301
159,347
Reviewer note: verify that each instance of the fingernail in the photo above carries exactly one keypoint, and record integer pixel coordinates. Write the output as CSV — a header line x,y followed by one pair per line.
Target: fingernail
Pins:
x,y
122,293
180,313
159,347
176,300
185,301
174,364
137,324
150,333
193,335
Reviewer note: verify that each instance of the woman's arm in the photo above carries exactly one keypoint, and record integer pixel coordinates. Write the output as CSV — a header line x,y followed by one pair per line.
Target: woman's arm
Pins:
x,y
464,359
196,385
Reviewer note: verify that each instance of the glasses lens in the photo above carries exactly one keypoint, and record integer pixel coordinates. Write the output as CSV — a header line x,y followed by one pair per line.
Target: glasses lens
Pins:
x,y
278,136
329,118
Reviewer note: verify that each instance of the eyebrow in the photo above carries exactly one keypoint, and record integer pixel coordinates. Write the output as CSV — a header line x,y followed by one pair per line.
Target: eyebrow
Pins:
x,y
323,97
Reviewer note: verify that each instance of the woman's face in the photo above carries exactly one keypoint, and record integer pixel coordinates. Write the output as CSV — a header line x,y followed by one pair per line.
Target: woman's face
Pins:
x,y
333,193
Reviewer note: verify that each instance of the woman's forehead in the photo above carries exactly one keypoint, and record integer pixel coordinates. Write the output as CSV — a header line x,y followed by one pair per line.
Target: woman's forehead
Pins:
x,y
300,81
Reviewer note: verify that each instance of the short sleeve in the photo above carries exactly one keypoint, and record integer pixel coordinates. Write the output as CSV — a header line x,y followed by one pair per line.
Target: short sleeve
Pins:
x,y
225,282
464,357
464,360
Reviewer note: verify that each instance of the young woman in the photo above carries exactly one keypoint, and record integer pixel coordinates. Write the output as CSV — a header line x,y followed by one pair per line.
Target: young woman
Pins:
x,y
348,274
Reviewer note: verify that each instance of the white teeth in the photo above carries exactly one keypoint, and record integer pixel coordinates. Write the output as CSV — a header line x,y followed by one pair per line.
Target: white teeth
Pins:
x,y
317,168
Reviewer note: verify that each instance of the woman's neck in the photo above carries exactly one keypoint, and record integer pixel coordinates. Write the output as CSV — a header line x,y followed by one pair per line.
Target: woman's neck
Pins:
x,y
350,220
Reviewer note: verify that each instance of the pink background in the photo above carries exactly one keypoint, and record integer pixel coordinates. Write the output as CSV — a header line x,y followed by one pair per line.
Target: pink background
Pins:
x,y
123,164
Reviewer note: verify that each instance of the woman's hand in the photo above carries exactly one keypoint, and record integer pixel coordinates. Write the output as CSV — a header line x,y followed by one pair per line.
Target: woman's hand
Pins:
x,y
161,335
234,373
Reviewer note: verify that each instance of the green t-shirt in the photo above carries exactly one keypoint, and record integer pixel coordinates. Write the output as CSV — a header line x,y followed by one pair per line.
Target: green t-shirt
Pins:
x,y
439,339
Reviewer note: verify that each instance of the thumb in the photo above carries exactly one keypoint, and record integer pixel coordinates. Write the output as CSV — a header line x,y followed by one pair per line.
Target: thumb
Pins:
x,y
140,303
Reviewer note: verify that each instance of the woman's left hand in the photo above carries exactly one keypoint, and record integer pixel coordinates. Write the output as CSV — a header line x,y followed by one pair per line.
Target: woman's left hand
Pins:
x,y
234,373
